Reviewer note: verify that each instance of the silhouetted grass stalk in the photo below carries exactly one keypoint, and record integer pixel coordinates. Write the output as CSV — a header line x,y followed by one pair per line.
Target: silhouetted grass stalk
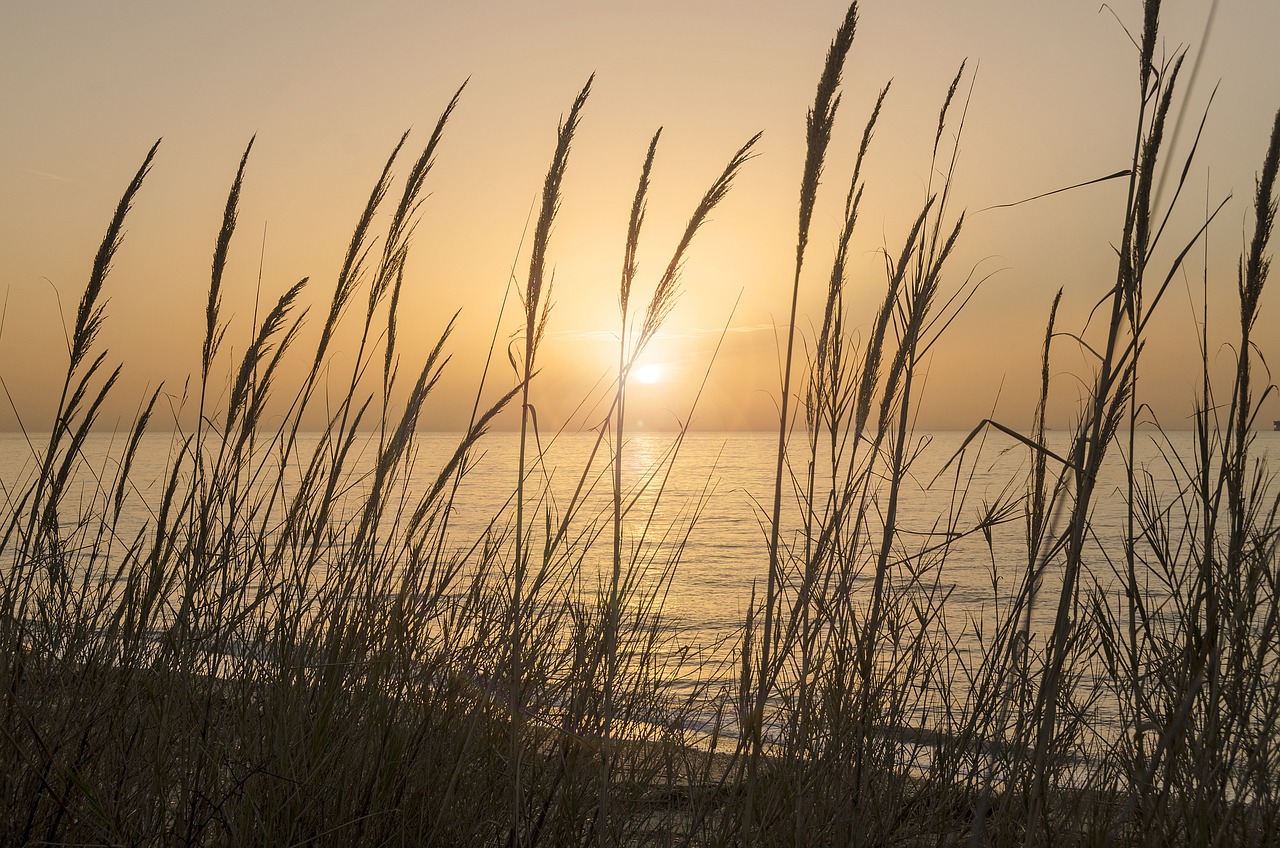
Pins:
x,y
821,119
536,309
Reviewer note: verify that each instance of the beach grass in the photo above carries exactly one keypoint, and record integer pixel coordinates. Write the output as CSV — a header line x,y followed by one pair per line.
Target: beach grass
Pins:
x,y
295,648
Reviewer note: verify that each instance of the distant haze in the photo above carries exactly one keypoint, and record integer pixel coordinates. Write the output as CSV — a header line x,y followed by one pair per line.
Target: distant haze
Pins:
x,y
328,87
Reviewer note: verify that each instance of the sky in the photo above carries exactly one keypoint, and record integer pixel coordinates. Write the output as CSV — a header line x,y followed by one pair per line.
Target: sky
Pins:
x,y
327,88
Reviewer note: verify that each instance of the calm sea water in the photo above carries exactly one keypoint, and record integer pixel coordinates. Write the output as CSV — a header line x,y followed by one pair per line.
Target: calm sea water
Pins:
x,y
723,483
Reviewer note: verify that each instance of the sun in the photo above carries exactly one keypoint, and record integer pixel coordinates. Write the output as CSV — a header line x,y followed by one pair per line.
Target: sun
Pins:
x,y
649,373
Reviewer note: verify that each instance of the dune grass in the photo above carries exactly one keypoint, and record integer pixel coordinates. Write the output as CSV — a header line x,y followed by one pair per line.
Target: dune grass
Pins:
x,y
295,649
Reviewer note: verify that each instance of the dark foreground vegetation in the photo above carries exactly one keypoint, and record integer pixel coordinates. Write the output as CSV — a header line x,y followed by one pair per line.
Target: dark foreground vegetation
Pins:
x,y
274,660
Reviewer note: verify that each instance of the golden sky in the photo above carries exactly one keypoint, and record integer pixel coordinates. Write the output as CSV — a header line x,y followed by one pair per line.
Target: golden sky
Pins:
x,y
328,87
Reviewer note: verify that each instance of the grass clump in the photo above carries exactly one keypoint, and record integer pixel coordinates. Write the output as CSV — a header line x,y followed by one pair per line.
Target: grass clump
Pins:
x,y
292,647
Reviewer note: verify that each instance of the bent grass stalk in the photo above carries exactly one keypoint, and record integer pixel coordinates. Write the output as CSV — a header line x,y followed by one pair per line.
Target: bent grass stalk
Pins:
x,y
630,349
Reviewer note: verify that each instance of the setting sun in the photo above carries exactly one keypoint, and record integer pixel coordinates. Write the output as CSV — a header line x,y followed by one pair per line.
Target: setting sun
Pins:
x,y
649,373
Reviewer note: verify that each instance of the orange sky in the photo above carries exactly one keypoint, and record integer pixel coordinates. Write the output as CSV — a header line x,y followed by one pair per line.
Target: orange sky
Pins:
x,y
329,86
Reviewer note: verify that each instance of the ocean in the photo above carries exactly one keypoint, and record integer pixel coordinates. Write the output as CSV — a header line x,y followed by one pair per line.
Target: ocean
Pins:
x,y
711,498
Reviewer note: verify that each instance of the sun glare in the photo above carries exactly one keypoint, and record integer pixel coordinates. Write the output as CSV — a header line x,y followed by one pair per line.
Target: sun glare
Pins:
x,y
649,373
